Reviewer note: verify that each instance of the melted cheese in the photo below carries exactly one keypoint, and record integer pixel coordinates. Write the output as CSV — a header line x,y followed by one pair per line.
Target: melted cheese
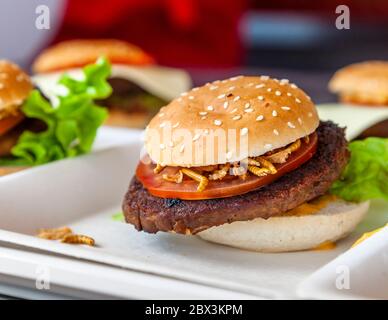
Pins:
x,y
327,245
368,235
311,207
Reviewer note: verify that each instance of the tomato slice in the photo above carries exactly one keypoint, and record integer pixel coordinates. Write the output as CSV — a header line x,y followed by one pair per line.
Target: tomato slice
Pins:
x,y
10,122
187,190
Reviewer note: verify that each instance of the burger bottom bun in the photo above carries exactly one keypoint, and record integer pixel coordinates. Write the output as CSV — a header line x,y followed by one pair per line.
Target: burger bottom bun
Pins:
x,y
290,233
125,119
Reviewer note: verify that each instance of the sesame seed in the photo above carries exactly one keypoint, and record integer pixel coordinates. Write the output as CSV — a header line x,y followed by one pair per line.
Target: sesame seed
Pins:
x,y
176,125
247,105
232,88
250,84
217,122
184,94
293,86
300,120
289,94
275,132
260,117
182,148
237,117
286,108
248,110
229,155
310,114
195,89
269,89
203,118
196,137
274,113
298,100
290,124
210,108
234,110
261,85
284,81
163,124
308,97
261,98
171,144
1,85
191,97
161,114
19,77
244,131
203,113
162,146
226,104
224,81
206,132
278,93
213,87
268,146
264,77
236,98
179,99
221,96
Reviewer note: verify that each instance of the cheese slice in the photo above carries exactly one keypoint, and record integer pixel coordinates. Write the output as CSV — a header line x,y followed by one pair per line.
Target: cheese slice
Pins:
x,y
165,83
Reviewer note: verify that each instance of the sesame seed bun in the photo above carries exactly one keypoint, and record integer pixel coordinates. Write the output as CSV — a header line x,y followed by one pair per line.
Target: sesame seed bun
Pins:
x,y
362,83
291,233
78,53
260,113
15,85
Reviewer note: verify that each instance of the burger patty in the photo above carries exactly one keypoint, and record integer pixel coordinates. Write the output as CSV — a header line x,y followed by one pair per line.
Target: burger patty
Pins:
x,y
312,179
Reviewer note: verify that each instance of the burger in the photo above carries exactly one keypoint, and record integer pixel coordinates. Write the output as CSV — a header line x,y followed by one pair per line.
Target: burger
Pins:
x,y
364,84
15,86
243,162
140,87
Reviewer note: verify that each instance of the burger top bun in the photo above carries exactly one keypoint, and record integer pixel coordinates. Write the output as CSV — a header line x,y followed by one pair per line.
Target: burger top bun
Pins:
x,y
15,85
362,83
78,53
251,115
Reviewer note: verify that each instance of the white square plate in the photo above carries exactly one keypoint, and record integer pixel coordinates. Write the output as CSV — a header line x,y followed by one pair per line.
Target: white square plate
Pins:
x,y
85,192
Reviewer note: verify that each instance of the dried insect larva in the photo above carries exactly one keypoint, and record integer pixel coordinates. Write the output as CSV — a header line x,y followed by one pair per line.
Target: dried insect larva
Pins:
x,y
55,233
220,173
203,181
78,239
177,178
159,168
260,172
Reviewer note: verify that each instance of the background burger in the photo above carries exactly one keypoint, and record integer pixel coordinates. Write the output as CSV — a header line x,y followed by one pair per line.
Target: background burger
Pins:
x,y
15,86
140,87
268,198
364,84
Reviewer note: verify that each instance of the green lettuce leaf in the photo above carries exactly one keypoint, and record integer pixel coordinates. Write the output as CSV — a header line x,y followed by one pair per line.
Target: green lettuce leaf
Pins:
x,y
71,124
366,175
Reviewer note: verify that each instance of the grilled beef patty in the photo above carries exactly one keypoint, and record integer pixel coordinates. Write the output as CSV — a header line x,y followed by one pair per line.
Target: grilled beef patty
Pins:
x,y
312,179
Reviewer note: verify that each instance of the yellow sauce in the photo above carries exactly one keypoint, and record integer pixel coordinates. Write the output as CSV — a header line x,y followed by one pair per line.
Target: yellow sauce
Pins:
x,y
327,245
368,235
311,207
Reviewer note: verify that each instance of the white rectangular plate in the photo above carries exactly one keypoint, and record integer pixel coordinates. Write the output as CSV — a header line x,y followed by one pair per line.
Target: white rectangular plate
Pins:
x,y
85,192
